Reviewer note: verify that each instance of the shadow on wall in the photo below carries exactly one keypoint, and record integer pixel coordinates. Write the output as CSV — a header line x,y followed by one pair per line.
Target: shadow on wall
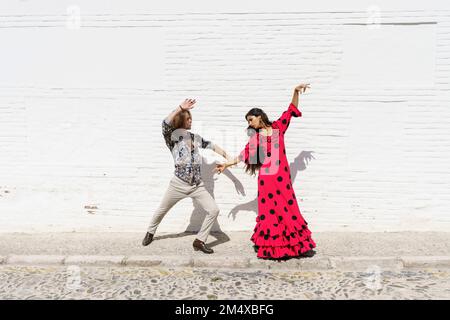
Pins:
x,y
299,164
198,213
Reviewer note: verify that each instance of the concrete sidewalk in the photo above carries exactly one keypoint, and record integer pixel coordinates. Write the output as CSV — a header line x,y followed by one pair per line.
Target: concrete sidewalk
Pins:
x,y
335,250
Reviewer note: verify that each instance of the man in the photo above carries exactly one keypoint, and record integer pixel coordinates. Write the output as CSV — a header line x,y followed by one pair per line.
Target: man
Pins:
x,y
187,180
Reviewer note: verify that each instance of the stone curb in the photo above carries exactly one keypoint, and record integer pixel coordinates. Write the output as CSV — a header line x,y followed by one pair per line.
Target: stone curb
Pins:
x,y
95,260
34,260
426,262
366,263
151,261
320,263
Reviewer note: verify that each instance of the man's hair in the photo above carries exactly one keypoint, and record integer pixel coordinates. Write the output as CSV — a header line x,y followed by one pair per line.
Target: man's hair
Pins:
x,y
180,119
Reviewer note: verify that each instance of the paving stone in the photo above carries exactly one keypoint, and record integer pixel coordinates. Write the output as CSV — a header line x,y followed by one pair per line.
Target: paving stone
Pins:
x,y
161,283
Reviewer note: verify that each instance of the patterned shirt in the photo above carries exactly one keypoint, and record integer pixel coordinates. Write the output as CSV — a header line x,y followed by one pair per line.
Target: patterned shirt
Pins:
x,y
185,154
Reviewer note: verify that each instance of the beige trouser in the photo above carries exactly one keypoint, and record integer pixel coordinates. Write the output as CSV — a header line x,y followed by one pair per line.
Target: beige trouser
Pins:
x,y
178,190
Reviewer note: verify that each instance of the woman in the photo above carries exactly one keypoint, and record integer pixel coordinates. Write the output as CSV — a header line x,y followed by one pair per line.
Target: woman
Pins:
x,y
280,232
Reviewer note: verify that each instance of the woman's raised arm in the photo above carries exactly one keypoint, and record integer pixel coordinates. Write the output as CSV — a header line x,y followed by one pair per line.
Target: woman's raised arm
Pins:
x,y
292,111
301,88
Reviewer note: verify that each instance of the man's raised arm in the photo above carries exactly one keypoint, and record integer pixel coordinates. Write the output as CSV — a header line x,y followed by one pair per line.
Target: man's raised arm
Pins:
x,y
187,104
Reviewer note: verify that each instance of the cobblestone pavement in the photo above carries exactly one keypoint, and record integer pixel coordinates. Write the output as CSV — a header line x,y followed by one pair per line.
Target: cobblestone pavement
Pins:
x,y
73,282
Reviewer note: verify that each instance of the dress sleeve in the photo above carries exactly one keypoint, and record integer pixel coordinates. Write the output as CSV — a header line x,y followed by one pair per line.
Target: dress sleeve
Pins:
x,y
249,152
243,156
285,119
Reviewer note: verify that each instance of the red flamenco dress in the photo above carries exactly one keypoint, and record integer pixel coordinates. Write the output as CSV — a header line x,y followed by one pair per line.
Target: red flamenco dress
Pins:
x,y
281,231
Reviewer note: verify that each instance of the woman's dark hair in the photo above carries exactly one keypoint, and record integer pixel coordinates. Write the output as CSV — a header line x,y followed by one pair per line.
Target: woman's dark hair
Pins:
x,y
255,162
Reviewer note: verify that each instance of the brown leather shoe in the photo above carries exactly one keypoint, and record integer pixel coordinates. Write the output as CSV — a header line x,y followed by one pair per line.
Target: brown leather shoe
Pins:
x,y
148,239
200,245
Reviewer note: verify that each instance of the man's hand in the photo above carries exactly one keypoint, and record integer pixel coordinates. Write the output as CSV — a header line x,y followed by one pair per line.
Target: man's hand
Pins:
x,y
187,104
220,167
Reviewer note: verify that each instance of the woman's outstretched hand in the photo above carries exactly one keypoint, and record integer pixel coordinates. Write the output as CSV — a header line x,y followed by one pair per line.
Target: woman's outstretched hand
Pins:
x,y
301,88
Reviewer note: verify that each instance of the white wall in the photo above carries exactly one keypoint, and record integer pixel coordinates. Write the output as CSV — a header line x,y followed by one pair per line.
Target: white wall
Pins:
x,y
84,88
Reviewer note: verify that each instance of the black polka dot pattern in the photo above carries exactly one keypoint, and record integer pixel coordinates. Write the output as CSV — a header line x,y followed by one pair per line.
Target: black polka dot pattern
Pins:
x,y
280,230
